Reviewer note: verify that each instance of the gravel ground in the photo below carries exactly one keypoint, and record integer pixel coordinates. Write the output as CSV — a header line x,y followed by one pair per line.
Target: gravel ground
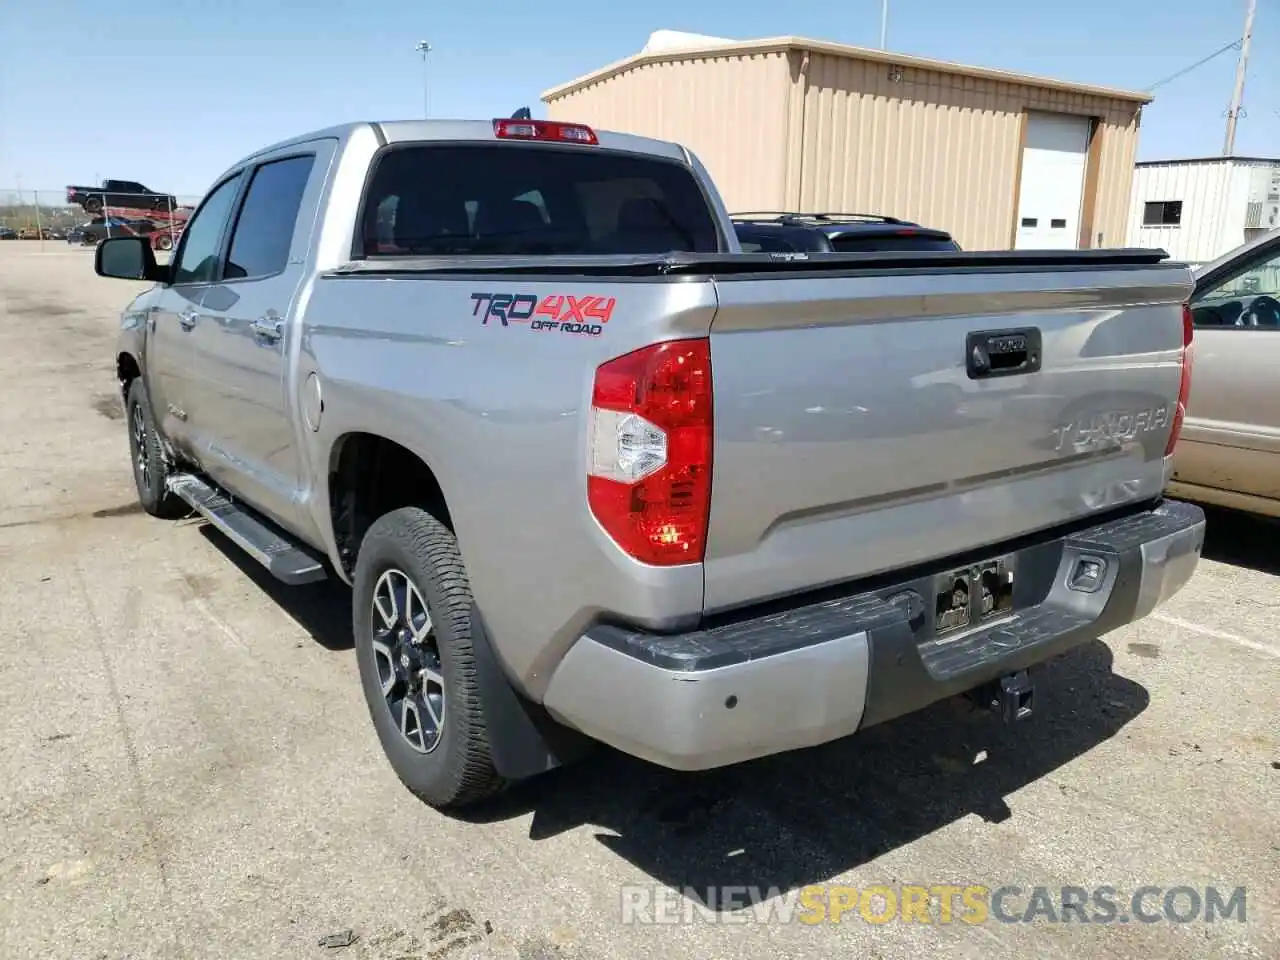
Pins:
x,y
190,771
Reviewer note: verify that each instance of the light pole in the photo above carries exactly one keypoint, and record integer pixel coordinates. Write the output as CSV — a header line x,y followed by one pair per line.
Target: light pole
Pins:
x,y
884,23
1242,66
424,48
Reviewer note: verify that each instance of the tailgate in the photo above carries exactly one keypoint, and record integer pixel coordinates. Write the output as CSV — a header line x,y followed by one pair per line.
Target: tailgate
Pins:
x,y
857,432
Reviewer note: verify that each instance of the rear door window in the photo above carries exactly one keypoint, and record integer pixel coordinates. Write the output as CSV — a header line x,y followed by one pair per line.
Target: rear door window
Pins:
x,y
499,199
264,231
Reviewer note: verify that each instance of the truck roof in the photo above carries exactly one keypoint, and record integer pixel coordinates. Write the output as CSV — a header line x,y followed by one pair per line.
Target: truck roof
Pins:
x,y
835,227
402,131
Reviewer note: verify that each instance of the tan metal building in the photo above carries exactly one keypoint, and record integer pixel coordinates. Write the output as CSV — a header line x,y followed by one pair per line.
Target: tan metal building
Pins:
x,y
1000,159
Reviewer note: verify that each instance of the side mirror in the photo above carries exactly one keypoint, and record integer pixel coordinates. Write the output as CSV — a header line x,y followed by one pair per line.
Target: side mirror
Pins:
x,y
127,258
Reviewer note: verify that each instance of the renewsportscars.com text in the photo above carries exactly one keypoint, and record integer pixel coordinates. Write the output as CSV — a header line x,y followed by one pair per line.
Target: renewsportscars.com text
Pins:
x,y
932,904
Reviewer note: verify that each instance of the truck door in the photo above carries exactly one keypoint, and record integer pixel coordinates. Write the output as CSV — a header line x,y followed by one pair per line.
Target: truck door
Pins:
x,y
176,314
241,403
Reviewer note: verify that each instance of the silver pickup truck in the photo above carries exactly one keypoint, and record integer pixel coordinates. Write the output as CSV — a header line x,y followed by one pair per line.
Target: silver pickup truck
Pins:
x,y
594,474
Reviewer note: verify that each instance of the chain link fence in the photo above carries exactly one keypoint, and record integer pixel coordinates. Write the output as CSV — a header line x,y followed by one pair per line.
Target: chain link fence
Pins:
x,y
82,217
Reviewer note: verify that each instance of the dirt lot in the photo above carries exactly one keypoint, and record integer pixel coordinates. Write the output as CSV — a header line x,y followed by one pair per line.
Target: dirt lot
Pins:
x,y
189,770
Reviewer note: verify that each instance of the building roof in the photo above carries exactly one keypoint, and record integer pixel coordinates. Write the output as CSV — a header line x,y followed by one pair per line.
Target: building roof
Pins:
x,y
701,47
679,40
1231,159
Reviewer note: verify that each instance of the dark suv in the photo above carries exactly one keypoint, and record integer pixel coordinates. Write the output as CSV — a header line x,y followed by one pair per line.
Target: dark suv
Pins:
x,y
772,232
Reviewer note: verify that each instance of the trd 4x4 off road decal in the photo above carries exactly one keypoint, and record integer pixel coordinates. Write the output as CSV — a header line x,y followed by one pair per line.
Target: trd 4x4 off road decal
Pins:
x,y
557,313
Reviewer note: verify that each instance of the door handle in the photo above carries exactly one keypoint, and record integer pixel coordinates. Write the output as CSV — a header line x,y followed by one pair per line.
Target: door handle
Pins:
x,y
1002,353
266,328
187,318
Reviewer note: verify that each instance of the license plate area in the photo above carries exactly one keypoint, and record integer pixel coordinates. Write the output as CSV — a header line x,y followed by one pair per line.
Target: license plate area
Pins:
x,y
972,596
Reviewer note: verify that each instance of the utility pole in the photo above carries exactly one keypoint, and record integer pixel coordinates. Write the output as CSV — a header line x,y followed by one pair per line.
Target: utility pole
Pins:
x,y
424,48
1237,96
884,24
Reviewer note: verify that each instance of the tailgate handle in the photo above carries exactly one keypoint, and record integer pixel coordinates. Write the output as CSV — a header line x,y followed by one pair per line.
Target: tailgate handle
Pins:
x,y
1002,353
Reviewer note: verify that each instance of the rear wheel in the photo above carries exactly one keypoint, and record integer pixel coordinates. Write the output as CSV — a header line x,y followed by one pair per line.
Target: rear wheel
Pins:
x,y
93,205
412,624
164,242
150,466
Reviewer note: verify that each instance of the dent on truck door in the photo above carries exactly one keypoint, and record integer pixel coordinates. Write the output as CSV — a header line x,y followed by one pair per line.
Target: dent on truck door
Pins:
x,y
177,315
240,408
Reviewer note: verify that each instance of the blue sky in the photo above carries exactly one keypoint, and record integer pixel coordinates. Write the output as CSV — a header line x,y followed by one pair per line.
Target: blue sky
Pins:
x,y
170,92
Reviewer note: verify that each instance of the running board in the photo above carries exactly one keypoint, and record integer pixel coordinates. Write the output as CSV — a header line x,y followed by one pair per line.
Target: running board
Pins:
x,y
287,561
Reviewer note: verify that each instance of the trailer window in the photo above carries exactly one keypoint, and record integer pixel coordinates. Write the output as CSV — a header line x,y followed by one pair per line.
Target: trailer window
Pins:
x,y
1162,213
520,200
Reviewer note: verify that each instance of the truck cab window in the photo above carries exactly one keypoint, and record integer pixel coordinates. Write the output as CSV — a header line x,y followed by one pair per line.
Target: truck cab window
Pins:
x,y
201,241
263,232
526,200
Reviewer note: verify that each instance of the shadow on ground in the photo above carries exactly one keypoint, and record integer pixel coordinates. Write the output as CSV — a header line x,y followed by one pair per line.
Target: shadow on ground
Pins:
x,y
322,609
808,816
1242,539
799,818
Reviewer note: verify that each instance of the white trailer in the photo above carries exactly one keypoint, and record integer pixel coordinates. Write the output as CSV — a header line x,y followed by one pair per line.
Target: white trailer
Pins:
x,y
1200,209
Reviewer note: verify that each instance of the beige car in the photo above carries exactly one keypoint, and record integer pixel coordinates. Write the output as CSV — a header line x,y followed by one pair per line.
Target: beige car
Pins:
x,y
1229,454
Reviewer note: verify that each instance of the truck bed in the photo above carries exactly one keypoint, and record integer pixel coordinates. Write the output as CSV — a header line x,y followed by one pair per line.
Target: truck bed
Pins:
x,y
850,435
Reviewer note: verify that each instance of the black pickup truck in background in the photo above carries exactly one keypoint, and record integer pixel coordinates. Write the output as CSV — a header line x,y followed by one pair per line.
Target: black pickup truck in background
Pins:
x,y
119,193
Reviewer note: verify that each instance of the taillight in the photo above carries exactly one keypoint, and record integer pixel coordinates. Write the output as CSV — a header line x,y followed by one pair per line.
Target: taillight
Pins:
x,y
649,460
1184,385
544,130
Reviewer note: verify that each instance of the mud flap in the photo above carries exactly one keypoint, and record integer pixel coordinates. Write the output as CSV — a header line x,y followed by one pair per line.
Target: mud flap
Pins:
x,y
524,740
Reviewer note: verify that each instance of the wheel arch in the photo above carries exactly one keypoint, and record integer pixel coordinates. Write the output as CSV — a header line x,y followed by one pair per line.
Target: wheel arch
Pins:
x,y
523,739
369,474
128,369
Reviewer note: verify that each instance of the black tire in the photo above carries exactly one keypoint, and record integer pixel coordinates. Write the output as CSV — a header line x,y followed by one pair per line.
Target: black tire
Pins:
x,y
150,466
456,770
164,242
93,205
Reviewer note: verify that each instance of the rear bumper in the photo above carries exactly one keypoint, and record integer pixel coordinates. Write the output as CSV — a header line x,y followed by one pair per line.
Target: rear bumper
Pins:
x,y
809,674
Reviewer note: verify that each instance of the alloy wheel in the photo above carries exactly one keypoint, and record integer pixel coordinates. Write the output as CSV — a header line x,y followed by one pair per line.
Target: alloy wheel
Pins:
x,y
141,450
407,658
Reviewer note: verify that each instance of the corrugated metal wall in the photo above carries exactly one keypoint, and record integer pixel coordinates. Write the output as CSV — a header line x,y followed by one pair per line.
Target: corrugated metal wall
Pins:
x,y
816,131
730,111
1119,148
939,148
1215,199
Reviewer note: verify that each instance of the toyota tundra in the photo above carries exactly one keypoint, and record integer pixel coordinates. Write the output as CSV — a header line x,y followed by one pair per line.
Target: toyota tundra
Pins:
x,y
594,474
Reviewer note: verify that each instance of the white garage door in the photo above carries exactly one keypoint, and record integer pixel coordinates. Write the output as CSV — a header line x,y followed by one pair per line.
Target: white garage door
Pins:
x,y
1052,190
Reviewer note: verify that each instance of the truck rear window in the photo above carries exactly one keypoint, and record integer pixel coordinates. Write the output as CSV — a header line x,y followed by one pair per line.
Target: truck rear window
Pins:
x,y
502,199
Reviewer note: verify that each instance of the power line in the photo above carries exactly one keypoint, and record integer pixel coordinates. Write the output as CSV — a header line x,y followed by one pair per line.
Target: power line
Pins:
x,y
1233,45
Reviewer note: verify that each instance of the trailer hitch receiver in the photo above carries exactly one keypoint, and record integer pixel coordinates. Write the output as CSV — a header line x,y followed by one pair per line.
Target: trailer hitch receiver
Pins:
x,y
1012,696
